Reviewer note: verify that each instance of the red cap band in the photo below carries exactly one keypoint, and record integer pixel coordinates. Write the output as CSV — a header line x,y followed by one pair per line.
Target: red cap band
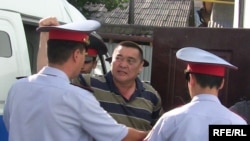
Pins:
x,y
69,35
92,52
209,69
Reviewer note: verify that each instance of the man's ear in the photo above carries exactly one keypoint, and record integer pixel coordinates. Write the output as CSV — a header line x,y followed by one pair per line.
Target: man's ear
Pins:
x,y
76,54
192,79
222,84
141,67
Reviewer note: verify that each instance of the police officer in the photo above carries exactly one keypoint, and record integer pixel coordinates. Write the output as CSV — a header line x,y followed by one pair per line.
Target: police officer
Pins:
x,y
190,122
96,49
46,107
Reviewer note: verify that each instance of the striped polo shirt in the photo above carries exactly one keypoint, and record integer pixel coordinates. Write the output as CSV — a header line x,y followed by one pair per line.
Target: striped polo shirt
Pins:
x,y
141,111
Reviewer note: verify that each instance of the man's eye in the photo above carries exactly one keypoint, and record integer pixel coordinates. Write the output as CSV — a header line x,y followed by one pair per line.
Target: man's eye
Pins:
x,y
131,61
118,58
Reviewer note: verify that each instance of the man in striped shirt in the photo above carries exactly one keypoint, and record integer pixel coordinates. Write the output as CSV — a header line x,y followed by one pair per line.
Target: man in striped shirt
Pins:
x,y
122,94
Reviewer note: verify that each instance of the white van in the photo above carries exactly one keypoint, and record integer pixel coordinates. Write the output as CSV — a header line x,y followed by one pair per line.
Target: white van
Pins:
x,y
19,39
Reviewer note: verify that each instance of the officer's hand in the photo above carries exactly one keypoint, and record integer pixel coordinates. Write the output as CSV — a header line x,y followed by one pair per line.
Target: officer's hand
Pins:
x,y
48,21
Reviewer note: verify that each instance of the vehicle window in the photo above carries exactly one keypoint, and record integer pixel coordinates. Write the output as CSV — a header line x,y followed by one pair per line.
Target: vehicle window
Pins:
x,y
99,70
5,46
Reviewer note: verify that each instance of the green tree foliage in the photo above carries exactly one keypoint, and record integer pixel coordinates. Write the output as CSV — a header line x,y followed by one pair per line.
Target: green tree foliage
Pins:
x,y
109,4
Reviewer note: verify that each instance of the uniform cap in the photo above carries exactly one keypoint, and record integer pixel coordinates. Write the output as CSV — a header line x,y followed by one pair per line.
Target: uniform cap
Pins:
x,y
75,31
204,62
92,51
97,43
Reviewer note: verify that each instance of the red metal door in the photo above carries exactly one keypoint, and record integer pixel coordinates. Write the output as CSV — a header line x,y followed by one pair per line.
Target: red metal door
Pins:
x,y
168,73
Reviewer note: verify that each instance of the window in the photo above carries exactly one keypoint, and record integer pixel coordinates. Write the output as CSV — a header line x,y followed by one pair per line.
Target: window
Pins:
x,y
5,46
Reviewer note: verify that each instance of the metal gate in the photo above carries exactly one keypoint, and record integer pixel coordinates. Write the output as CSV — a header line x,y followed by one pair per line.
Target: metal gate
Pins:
x,y
167,72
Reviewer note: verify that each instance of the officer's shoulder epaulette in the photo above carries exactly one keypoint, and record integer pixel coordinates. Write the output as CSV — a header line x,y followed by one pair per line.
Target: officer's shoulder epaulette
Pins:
x,y
20,77
83,87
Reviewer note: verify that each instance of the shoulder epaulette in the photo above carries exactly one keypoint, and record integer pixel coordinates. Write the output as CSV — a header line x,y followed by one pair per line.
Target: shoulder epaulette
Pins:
x,y
83,87
20,77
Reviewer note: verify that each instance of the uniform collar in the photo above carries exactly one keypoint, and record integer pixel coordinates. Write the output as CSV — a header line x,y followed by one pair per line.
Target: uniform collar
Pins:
x,y
51,71
205,97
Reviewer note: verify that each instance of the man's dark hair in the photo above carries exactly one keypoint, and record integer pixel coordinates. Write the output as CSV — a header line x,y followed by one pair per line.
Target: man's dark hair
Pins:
x,y
130,44
60,50
208,80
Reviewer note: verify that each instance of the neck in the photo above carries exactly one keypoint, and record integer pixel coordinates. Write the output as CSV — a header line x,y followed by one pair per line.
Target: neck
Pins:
x,y
65,68
207,90
126,89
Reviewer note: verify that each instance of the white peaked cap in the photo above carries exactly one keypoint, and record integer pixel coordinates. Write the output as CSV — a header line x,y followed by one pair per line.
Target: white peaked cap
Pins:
x,y
201,61
197,55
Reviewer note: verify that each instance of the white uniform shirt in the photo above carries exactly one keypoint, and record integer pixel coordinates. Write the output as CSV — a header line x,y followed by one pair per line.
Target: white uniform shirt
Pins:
x,y
191,122
46,107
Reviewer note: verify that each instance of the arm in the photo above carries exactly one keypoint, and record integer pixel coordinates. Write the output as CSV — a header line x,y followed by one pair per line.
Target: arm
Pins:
x,y
42,59
135,135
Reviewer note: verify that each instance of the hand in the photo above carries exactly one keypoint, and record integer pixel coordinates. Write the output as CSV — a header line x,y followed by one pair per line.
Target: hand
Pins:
x,y
48,21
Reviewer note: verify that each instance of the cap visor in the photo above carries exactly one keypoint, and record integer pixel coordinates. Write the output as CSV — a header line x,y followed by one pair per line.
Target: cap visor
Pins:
x,y
196,55
85,26
97,44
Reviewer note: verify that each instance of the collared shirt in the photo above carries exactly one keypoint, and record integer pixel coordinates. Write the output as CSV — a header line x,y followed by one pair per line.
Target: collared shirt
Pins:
x,y
191,122
46,107
141,111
